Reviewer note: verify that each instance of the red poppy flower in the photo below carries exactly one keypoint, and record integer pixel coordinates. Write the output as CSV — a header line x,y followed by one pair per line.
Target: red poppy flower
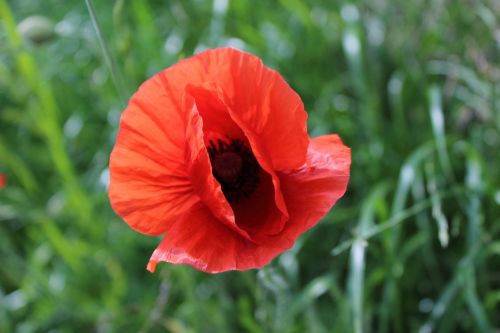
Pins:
x,y
3,181
214,153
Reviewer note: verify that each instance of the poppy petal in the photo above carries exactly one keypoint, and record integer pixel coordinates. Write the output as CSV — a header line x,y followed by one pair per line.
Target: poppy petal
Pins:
x,y
217,124
270,113
149,185
312,190
200,170
201,241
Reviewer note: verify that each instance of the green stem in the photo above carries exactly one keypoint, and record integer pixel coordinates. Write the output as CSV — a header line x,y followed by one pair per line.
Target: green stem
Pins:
x,y
115,74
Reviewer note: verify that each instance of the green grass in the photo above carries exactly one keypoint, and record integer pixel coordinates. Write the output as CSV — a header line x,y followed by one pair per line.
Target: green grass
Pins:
x,y
411,86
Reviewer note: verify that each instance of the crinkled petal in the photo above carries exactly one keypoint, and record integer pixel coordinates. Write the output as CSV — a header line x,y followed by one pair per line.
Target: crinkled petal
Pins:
x,y
269,112
149,184
217,123
200,170
201,241
312,190
262,104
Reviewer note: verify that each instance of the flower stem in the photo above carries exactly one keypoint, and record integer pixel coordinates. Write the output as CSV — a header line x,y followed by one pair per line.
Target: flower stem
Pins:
x,y
115,74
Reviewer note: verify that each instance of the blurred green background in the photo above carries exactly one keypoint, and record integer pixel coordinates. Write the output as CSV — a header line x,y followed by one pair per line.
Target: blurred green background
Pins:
x,y
412,86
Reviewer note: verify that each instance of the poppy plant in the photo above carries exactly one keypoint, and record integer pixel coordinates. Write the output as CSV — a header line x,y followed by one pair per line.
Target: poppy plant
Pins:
x,y
3,181
213,152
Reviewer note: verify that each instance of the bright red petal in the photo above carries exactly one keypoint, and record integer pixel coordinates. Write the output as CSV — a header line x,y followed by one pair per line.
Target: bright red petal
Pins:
x,y
260,102
311,191
149,184
199,169
217,124
263,105
201,241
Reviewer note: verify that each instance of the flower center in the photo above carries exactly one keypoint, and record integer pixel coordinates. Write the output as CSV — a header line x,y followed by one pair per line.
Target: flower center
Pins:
x,y
235,167
227,166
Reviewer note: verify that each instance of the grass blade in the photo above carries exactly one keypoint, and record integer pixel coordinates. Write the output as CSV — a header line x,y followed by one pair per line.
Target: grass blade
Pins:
x,y
115,74
437,121
357,263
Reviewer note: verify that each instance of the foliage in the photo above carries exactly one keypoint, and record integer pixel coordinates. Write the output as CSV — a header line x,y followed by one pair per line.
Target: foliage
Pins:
x,y
411,86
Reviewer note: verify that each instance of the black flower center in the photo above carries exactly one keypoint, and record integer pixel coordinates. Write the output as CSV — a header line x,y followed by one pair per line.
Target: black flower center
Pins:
x,y
235,167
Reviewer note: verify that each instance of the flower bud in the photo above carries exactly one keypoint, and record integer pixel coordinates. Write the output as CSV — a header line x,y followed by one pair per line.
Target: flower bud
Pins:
x,y
37,29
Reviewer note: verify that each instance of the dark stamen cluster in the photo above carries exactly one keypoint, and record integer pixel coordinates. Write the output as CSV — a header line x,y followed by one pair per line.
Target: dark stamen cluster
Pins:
x,y
235,167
